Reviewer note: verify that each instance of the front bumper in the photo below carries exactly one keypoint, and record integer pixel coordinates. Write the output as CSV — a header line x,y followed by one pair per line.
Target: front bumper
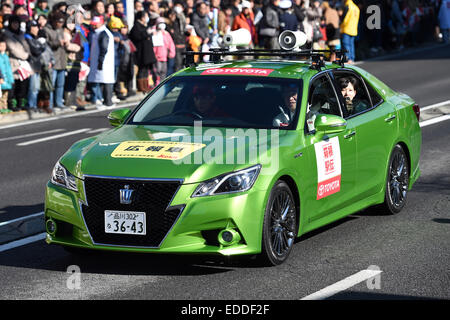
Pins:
x,y
196,229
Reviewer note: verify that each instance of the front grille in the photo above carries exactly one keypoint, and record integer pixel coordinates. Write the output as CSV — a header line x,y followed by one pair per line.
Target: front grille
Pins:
x,y
151,197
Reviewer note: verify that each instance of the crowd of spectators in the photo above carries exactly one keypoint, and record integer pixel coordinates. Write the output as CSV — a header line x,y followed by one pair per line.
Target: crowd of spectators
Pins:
x,y
63,56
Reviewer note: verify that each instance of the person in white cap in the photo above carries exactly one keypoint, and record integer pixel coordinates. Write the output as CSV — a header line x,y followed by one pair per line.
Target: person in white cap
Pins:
x,y
245,20
288,19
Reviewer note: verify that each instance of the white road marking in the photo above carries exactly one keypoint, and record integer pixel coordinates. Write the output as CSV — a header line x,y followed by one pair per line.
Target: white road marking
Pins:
x,y
343,285
31,134
71,115
434,120
27,143
34,215
436,105
22,242
98,130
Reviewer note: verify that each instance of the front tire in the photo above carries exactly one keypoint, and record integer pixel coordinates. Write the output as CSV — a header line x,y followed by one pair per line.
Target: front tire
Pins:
x,y
279,226
397,181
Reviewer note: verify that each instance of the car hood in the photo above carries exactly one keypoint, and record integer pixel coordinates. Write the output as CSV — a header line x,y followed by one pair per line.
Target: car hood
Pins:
x,y
211,152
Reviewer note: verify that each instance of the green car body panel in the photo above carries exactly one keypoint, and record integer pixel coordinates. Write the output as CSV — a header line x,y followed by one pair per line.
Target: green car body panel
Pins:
x,y
364,157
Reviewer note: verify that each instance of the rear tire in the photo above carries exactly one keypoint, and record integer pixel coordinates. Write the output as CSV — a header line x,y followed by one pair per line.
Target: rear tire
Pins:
x,y
279,226
397,182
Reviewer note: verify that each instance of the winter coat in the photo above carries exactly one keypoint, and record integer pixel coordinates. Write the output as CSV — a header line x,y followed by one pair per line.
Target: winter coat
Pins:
x,y
18,49
59,52
201,25
300,13
144,54
8,77
288,21
71,48
126,68
102,56
117,48
167,50
241,22
350,21
270,23
177,30
36,50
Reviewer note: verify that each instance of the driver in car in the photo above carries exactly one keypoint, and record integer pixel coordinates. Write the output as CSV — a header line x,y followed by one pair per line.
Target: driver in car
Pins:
x,y
205,103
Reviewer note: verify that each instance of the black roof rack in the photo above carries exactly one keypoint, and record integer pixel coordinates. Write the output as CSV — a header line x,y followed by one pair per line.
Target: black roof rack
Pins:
x,y
317,56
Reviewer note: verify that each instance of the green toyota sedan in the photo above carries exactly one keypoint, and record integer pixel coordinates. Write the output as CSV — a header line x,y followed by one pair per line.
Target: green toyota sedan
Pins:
x,y
237,157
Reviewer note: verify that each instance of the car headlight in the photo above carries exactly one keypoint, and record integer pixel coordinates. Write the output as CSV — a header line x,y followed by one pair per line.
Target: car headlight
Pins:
x,y
237,181
63,178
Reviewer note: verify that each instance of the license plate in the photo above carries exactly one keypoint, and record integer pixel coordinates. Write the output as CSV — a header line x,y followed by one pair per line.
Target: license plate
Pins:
x,y
125,222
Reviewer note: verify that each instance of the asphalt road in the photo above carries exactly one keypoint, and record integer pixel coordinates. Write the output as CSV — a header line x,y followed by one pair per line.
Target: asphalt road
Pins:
x,y
412,249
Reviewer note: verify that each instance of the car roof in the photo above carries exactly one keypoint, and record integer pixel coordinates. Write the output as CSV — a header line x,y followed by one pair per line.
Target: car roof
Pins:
x,y
291,69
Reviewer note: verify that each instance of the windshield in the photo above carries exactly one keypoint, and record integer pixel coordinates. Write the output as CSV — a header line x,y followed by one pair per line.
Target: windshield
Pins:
x,y
221,101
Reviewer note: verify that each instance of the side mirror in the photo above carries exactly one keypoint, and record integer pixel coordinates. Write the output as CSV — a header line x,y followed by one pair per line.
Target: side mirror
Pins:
x,y
117,117
329,123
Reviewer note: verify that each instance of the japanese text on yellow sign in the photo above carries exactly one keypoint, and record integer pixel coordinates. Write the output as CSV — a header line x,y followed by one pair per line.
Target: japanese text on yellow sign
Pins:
x,y
168,150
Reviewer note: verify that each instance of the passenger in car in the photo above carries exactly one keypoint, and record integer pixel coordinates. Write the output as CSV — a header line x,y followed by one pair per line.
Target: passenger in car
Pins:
x,y
349,89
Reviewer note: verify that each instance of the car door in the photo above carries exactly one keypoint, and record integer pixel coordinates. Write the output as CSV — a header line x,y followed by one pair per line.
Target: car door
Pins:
x,y
332,159
375,133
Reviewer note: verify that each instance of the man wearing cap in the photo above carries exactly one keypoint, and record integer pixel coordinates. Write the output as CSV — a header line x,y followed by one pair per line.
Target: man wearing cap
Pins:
x,y
288,19
55,38
101,63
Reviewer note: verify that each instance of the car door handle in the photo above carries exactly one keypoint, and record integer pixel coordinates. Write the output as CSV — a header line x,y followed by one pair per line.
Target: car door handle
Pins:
x,y
351,134
389,119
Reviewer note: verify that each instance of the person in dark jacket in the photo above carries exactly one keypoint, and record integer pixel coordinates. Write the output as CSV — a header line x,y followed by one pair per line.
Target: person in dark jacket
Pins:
x,y
288,19
55,37
269,28
177,29
200,21
300,13
141,36
37,47
126,68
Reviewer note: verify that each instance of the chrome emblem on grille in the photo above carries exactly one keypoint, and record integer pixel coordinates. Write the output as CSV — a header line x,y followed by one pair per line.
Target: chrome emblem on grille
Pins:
x,y
125,195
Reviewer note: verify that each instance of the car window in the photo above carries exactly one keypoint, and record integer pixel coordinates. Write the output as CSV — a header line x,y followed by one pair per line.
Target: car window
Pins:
x,y
374,96
223,101
353,92
322,100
